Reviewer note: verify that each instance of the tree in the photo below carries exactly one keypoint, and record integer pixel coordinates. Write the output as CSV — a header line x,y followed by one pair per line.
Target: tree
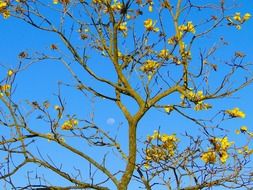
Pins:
x,y
138,57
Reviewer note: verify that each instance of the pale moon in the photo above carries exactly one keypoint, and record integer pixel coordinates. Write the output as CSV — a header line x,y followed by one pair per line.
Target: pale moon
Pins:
x,y
110,121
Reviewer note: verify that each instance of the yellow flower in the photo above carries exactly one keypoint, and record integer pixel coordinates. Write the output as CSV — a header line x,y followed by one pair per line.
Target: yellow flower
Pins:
x,y
237,17
190,27
199,95
123,26
117,6
166,138
225,144
238,27
182,27
149,66
202,106
235,112
221,144
223,156
149,138
6,14
150,8
155,135
245,150
56,107
155,154
10,72
246,16
237,131
5,87
168,109
164,53
69,124
171,41
243,129
194,97
209,157
55,1
74,121
146,165
3,5
150,26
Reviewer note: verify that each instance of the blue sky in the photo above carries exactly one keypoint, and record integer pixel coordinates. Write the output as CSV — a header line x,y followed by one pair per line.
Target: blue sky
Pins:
x,y
39,82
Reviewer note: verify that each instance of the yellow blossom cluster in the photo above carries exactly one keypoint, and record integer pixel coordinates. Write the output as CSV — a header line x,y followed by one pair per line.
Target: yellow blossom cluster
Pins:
x,y
164,53
244,130
3,5
149,66
202,106
186,54
199,104
235,112
155,154
245,150
115,6
240,19
197,98
69,124
209,157
237,20
164,147
173,40
123,27
149,24
221,143
189,27
5,87
5,90
219,149
3,9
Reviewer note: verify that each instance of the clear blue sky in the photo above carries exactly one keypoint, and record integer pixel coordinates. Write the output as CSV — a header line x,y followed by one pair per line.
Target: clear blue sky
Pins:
x,y
39,82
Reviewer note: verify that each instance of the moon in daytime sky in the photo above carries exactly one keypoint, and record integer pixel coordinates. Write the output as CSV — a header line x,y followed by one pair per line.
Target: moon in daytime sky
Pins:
x,y
110,121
